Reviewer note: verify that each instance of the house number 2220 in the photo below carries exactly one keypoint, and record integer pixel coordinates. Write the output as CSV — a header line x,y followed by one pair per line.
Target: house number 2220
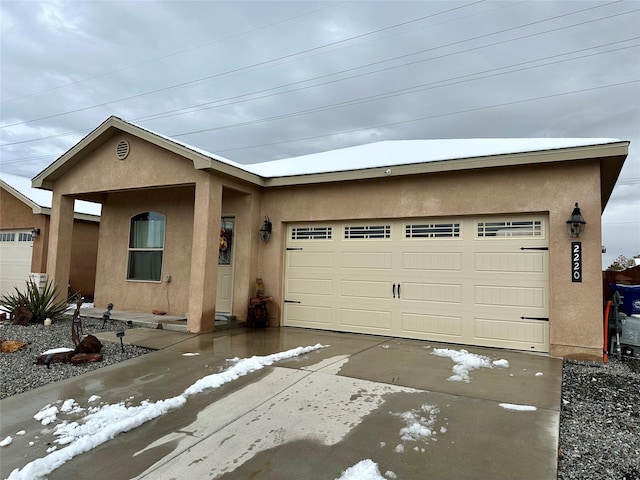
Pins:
x,y
576,261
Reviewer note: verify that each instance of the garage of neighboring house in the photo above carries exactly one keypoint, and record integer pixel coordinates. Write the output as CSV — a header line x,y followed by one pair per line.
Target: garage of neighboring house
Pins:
x,y
466,280
24,234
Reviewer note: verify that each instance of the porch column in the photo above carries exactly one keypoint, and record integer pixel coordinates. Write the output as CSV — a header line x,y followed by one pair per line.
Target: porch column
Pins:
x,y
60,233
207,211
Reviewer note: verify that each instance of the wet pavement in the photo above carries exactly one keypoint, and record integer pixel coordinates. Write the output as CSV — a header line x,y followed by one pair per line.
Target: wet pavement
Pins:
x,y
309,417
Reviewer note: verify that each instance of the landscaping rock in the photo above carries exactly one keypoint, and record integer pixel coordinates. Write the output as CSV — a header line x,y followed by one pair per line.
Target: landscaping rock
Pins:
x,y
80,358
21,316
89,344
64,357
10,346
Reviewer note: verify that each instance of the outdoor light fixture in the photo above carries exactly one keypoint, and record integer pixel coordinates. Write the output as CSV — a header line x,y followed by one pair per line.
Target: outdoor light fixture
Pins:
x,y
35,232
265,231
575,224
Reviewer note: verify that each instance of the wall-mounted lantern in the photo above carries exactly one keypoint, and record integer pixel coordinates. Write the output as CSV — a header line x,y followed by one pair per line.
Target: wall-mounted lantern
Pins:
x,y
35,232
576,224
265,231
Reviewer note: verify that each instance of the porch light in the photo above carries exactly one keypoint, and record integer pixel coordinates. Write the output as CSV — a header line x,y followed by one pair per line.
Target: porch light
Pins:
x,y
265,231
35,232
576,224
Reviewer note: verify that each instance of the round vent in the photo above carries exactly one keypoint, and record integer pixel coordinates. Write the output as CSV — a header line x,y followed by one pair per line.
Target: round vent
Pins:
x,y
122,150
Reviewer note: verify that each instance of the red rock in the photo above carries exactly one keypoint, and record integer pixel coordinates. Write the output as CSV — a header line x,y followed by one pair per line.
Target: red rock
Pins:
x,y
89,344
80,358
64,357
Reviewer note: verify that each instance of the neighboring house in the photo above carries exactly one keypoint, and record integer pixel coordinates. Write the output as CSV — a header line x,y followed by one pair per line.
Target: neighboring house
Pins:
x,y
24,236
460,241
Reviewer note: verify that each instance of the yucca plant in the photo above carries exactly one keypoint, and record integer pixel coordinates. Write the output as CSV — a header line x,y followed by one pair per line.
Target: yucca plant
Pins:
x,y
42,305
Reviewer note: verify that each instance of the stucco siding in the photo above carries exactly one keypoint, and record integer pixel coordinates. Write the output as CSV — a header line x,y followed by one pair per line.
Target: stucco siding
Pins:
x,y
552,188
112,285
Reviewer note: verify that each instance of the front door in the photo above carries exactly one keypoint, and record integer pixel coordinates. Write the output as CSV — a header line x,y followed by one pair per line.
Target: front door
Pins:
x,y
224,291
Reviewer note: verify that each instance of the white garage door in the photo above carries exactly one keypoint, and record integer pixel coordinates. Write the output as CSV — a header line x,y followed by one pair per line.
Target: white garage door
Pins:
x,y
16,247
475,281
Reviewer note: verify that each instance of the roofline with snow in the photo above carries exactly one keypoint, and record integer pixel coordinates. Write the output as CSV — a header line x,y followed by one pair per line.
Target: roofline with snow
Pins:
x,y
49,175
615,152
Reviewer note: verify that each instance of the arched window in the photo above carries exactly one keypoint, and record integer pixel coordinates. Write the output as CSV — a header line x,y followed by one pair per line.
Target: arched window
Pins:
x,y
146,244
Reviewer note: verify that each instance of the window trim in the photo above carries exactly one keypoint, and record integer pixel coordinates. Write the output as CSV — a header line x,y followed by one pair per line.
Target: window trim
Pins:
x,y
146,249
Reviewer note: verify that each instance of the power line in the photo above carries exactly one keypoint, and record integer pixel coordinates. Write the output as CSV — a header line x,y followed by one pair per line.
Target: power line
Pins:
x,y
202,79
515,102
169,55
240,69
404,91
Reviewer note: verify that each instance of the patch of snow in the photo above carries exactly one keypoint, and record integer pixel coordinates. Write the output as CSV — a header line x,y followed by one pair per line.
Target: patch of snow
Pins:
x,y
417,426
6,441
47,414
399,448
539,374
57,350
93,398
519,408
465,362
20,433
363,470
390,475
190,354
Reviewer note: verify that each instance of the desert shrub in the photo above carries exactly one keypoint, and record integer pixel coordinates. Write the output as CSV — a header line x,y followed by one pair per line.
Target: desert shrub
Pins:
x,y
42,305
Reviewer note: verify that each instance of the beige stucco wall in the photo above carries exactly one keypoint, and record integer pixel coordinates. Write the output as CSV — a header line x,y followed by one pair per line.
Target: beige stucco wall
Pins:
x,y
575,308
15,214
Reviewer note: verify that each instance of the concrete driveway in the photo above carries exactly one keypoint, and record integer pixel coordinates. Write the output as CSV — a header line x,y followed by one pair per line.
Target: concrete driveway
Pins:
x,y
309,417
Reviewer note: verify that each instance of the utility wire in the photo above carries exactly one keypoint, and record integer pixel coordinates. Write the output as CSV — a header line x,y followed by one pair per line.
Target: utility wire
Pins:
x,y
417,88
202,79
240,69
498,105
169,55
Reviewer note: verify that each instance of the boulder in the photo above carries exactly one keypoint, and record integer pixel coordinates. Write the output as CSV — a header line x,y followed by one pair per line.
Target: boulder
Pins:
x,y
21,316
10,346
89,344
80,358
63,357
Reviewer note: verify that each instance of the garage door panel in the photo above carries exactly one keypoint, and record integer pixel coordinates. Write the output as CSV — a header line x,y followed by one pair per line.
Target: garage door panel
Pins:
x,y
367,260
503,262
310,286
447,261
510,296
306,259
530,335
432,324
365,289
308,316
369,319
432,292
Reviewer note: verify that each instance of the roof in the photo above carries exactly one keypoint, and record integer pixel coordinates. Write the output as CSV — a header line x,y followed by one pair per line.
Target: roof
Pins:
x,y
40,200
373,160
409,152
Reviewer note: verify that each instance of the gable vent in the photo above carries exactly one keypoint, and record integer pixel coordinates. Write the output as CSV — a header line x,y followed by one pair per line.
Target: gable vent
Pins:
x,y
122,150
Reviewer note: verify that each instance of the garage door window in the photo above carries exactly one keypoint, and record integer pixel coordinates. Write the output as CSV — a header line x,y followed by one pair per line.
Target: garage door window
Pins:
x,y
432,230
311,233
363,232
146,245
528,228
24,237
7,237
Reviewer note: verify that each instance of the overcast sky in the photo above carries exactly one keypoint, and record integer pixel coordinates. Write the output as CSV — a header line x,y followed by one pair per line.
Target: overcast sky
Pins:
x,y
256,81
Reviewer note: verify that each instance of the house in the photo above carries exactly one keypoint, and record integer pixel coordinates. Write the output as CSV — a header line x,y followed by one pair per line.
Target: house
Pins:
x,y
460,241
24,236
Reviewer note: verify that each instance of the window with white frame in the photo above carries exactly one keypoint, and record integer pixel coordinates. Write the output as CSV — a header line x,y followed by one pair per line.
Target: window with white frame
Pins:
x,y
509,228
311,233
363,232
146,246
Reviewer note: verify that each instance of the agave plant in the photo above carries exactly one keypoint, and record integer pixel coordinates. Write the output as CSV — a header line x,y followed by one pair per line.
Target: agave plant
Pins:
x,y
42,305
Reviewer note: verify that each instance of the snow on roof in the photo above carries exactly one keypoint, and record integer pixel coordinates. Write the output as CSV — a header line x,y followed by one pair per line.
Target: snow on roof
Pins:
x,y
42,198
391,153
406,152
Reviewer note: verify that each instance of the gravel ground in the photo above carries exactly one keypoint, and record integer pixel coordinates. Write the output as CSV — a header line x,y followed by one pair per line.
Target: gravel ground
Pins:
x,y
599,418
19,372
